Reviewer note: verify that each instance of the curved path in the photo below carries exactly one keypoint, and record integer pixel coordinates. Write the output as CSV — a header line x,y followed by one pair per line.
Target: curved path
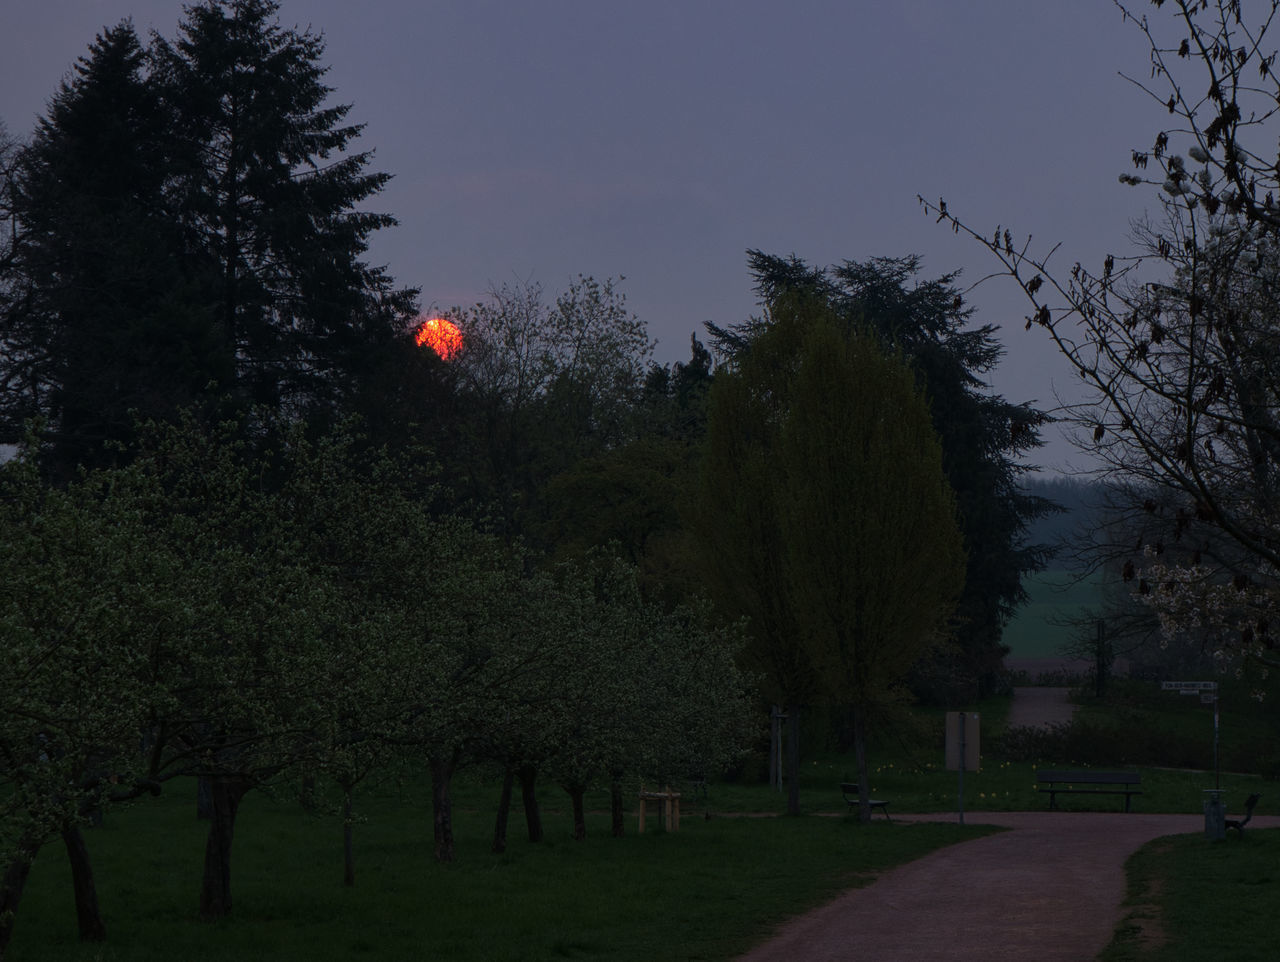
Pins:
x,y
1050,889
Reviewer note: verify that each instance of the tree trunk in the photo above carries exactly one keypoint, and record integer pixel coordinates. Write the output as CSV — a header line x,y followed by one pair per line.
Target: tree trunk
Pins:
x,y
225,794
615,807
532,817
307,794
576,794
793,759
11,885
88,916
860,759
442,768
348,831
504,810
204,798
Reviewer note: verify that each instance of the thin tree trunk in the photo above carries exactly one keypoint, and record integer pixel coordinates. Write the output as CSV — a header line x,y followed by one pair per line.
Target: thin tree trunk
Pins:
x,y
226,793
793,759
11,885
307,794
576,794
532,816
442,769
88,916
204,798
618,828
860,758
348,831
504,810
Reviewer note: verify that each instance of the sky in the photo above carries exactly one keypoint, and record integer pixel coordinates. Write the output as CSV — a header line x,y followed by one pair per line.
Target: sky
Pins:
x,y
658,141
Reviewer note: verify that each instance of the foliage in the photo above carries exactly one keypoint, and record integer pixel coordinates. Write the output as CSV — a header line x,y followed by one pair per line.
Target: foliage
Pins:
x,y
545,385
631,495
823,513
82,607
1177,341
187,230
983,436
648,693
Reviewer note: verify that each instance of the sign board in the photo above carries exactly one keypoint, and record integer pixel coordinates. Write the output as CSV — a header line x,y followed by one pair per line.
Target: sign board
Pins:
x,y
1189,686
966,735
1208,697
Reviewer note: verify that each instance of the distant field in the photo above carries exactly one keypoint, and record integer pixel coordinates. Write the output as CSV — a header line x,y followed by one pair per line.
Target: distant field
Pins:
x,y
1037,631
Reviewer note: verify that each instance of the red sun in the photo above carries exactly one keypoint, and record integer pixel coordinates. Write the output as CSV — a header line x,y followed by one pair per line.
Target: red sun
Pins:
x,y
441,335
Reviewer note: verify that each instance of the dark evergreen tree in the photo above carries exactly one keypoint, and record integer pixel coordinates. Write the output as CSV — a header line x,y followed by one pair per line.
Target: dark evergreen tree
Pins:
x,y
99,322
983,435
187,233
264,188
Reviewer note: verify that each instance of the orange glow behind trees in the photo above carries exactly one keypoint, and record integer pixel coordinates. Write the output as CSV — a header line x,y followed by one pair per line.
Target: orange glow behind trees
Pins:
x,y
442,336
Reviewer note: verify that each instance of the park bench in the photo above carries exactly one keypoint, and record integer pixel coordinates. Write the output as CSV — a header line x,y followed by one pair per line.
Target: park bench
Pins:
x,y
1239,823
1089,783
850,792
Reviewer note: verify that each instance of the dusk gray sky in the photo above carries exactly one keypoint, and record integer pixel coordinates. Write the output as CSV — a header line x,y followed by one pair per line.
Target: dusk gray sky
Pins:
x,y
660,140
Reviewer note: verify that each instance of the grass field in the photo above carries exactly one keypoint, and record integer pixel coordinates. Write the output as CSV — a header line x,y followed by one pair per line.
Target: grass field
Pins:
x,y
1038,630
707,892
1194,901
719,885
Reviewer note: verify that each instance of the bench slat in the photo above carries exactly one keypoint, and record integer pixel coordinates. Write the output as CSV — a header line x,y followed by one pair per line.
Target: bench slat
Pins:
x,y
1059,779
1089,778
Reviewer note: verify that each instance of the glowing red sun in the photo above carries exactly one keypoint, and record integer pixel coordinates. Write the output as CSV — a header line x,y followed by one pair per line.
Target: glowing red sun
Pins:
x,y
441,335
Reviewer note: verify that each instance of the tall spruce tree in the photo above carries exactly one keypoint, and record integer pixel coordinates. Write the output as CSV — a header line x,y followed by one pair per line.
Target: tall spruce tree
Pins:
x,y
98,323
187,233
983,435
264,187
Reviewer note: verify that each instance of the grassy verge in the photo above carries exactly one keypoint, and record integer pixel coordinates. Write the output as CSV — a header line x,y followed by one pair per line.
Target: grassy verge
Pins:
x,y
1191,900
707,892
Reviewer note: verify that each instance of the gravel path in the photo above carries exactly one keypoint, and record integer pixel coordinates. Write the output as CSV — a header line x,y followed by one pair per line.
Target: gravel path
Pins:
x,y
1049,890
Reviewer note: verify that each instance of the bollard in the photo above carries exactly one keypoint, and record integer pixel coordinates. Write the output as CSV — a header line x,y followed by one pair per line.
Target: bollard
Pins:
x,y
1215,815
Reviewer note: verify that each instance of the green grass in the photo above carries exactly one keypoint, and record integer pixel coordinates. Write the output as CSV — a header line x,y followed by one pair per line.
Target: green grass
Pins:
x,y
1192,900
707,892
1036,631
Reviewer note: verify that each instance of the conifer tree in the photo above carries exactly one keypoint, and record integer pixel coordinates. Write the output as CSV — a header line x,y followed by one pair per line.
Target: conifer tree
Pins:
x,y
188,232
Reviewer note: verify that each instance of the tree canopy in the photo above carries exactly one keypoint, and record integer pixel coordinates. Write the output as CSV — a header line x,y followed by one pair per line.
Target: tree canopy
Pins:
x,y
984,436
824,515
187,229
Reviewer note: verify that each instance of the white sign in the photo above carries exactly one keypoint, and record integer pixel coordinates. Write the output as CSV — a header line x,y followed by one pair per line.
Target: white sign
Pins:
x,y
1189,686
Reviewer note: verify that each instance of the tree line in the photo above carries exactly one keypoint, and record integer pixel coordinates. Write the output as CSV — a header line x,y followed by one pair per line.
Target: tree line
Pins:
x,y
250,618
256,535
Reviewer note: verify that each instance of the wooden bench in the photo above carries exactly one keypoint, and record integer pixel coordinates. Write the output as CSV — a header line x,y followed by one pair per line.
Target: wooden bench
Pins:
x,y
850,792
1101,783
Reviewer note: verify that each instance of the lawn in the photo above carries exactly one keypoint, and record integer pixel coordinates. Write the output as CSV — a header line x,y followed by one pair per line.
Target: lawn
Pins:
x,y
1191,900
1038,630
707,892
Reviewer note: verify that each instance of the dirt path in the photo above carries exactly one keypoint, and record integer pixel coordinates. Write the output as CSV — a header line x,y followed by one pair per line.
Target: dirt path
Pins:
x,y
1049,890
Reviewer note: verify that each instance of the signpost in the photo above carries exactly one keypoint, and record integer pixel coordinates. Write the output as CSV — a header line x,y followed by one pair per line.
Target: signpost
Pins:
x,y
962,747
